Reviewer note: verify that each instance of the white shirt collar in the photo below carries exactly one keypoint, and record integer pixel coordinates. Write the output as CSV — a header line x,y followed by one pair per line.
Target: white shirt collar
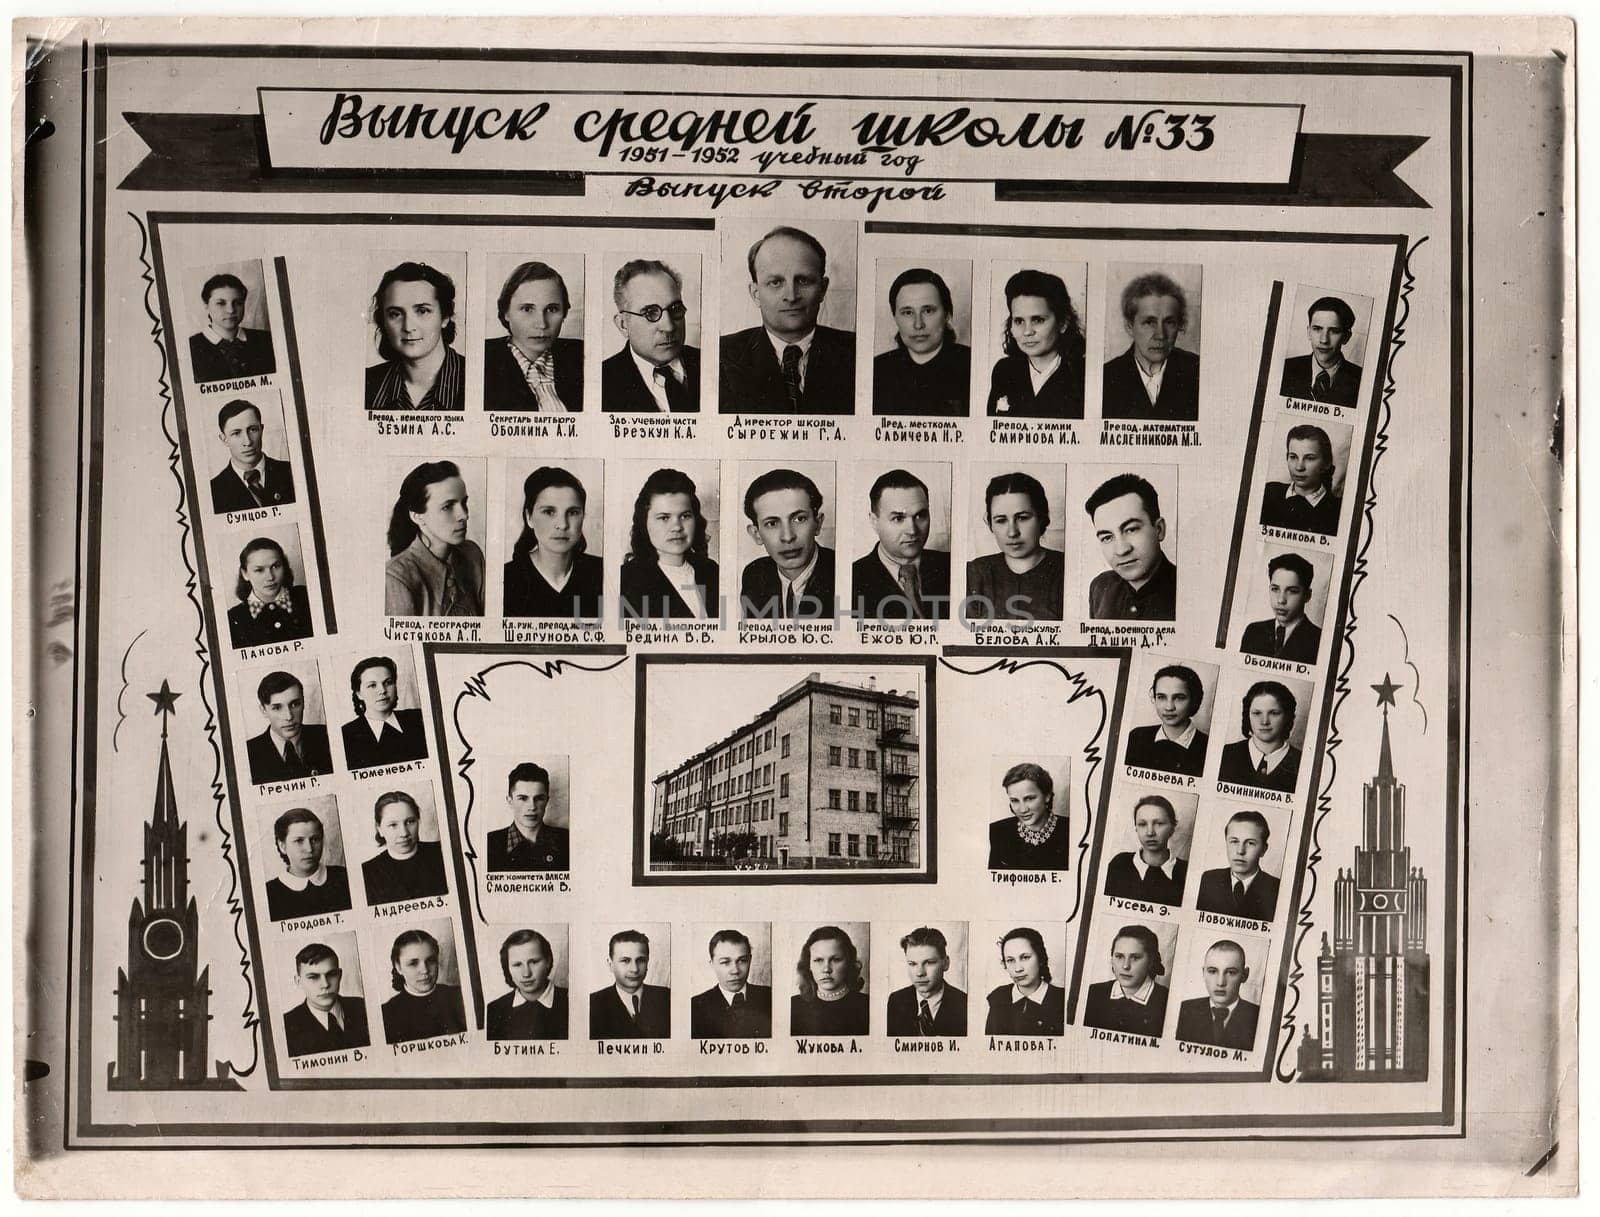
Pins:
x,y
1273,758
296,883
687,585
626,998
388,720
1314,498
1186,740
546,998
798,583
1036,997
334,1016
804,344
893,567
216,339
1152,377
281,744
1038,377
239,471
1246,881
1140,995
1144,867
648,371
934,1000
728,997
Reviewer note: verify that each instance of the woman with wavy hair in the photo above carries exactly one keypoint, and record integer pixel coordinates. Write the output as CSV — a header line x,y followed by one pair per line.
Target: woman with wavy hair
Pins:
x,y
1041,373
831,1000
272,607
414,313
668,574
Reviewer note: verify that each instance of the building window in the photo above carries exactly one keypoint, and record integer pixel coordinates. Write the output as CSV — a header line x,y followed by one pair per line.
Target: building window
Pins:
x,y
835,714
833,800
833,755
872,719
783,823
783,786
852,845
854,800
855,716
855,758
833,845
785,746
872,758
872,845
872,801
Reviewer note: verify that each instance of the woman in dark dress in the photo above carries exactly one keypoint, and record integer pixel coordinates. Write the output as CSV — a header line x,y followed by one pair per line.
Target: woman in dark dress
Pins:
x,y
1133,1001
550,574
1162,879
421,1007
227,349
533,368
1030,1004
1025,581
830,1001
306,887
1264,758
1043,340
271,608
408,867
1305,502
414,312
668,574
928,372
1034,838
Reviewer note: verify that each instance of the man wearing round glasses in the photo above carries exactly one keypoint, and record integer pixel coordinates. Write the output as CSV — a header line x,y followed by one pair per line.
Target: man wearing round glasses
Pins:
x,y
655,371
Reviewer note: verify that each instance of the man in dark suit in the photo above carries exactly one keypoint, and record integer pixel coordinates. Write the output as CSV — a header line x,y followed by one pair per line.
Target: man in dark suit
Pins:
x,y
1242,888
251,478
1290,633
794,579
535,1008
1222,1018
901,579
1325,374
1141,584
325,1021
1155,378
528,843
733,1008
927,1006
655,371
788,363
630,1009
289,748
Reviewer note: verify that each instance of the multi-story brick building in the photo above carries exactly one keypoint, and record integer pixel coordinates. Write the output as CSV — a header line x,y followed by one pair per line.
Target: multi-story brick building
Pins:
x,y
828,776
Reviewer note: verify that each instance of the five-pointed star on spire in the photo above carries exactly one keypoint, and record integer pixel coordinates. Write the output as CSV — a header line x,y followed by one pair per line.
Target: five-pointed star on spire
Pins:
x,y
1386,691
164,699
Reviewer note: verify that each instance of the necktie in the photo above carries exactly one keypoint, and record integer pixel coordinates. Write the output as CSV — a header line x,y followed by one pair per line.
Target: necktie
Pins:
x,y
788,601
791,375
258,492
1321,386
1277,639
635,1007
924,1018
1219,1020
738,999
294,762
911,585
677,395
1238,896
1261,769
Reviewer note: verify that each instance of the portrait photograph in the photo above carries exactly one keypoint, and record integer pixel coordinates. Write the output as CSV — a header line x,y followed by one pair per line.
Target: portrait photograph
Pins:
x,y
1239,853
922,338
435,538
1284,594
1220,988
414,356
425,996
816,769
267,600
628,967
923,969
1326,343
829,994
1030,816
230,332
652,337
387,727
1151,353
553,519
1126,518
787,541
1023,968
1017,532
1033,357
402,855
1148,840
302,857
900,518
670,520
251,459
1305,463
1128,966
787,311
522,811
732,980
1167,716
526,977
284,720
316,980
1264,746
533,319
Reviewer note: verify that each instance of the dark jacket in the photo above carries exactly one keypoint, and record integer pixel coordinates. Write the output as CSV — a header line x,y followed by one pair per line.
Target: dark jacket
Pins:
x,y
1216,895
1299,376
761,590
1007,1017
1125,1015
229,493
1122,880
553,850
529,1021
874,593
1280,510
950,1020
752,377
1122,392
648,596
936,389
388,879
1149,749
285,903
268,765
252,357
304,1035
609,1019
362,751
505,387
712,1018
1196,1026
409,1017
1061,396
1301,645
528,595
622,388
272,625
1237,767
850,1015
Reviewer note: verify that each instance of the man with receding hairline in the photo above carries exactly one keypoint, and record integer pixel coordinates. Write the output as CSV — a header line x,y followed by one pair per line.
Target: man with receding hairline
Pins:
x,y
655,371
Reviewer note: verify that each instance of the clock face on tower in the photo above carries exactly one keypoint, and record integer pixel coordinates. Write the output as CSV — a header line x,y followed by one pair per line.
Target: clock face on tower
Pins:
x,y
163,938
